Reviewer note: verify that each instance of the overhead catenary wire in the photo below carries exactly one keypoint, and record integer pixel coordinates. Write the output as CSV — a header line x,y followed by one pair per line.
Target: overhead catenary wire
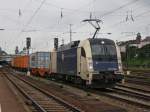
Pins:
x,y
26,5
60,20
69,9
134,0
137,17
116,24
92,2
31,18
121,7
63,10
123,21
87,4
80,24
132,18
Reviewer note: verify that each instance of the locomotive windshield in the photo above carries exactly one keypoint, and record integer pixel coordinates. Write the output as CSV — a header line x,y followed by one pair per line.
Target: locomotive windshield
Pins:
x,y
103,51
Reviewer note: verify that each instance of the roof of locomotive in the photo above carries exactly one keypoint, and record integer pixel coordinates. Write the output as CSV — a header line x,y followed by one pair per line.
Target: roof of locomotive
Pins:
x,y
74,44
70,45
101,41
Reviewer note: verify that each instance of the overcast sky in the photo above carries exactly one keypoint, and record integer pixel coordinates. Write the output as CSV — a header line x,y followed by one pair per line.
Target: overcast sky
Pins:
x,y
43,20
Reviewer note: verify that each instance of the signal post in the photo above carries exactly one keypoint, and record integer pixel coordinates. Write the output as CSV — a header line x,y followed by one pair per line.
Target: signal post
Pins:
x,y
28,45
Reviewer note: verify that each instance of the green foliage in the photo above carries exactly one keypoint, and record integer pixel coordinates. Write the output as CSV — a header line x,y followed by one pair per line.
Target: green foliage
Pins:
x,y
135,57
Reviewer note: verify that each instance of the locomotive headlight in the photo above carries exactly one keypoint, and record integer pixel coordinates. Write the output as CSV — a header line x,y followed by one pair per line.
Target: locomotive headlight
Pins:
x,y
90,65
119,66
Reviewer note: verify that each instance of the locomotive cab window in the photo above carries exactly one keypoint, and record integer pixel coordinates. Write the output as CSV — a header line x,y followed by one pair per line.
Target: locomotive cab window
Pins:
x,y
83,52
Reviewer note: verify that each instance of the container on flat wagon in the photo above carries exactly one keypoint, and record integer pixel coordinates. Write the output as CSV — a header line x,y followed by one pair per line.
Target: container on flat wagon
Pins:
x,y
23,61
20,62
40,62
14,62
53,65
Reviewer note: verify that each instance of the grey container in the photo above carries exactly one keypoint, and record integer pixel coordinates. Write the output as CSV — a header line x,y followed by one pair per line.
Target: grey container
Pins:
x,y
40,60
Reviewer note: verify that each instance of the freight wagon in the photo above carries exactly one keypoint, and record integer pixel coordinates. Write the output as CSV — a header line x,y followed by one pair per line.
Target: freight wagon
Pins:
x,y
40,63
20,62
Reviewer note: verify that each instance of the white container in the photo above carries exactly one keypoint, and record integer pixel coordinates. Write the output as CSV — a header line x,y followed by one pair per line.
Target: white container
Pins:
x,y
53,66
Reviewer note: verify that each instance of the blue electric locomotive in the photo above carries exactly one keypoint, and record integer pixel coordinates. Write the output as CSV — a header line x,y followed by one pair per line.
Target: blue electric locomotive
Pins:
x,y
94,62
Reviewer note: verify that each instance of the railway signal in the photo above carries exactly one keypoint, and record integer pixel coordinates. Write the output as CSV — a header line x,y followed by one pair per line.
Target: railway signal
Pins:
x,y
28,42
28,45
16,50
56,43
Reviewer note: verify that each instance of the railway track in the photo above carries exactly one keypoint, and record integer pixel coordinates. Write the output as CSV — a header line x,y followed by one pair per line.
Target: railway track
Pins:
x,y
133,96
137,81
136,99
139,77
142,78
132,93
138,89
41,100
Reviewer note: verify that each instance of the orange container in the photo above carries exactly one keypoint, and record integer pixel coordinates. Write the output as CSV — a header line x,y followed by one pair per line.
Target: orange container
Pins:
x,y
20,61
